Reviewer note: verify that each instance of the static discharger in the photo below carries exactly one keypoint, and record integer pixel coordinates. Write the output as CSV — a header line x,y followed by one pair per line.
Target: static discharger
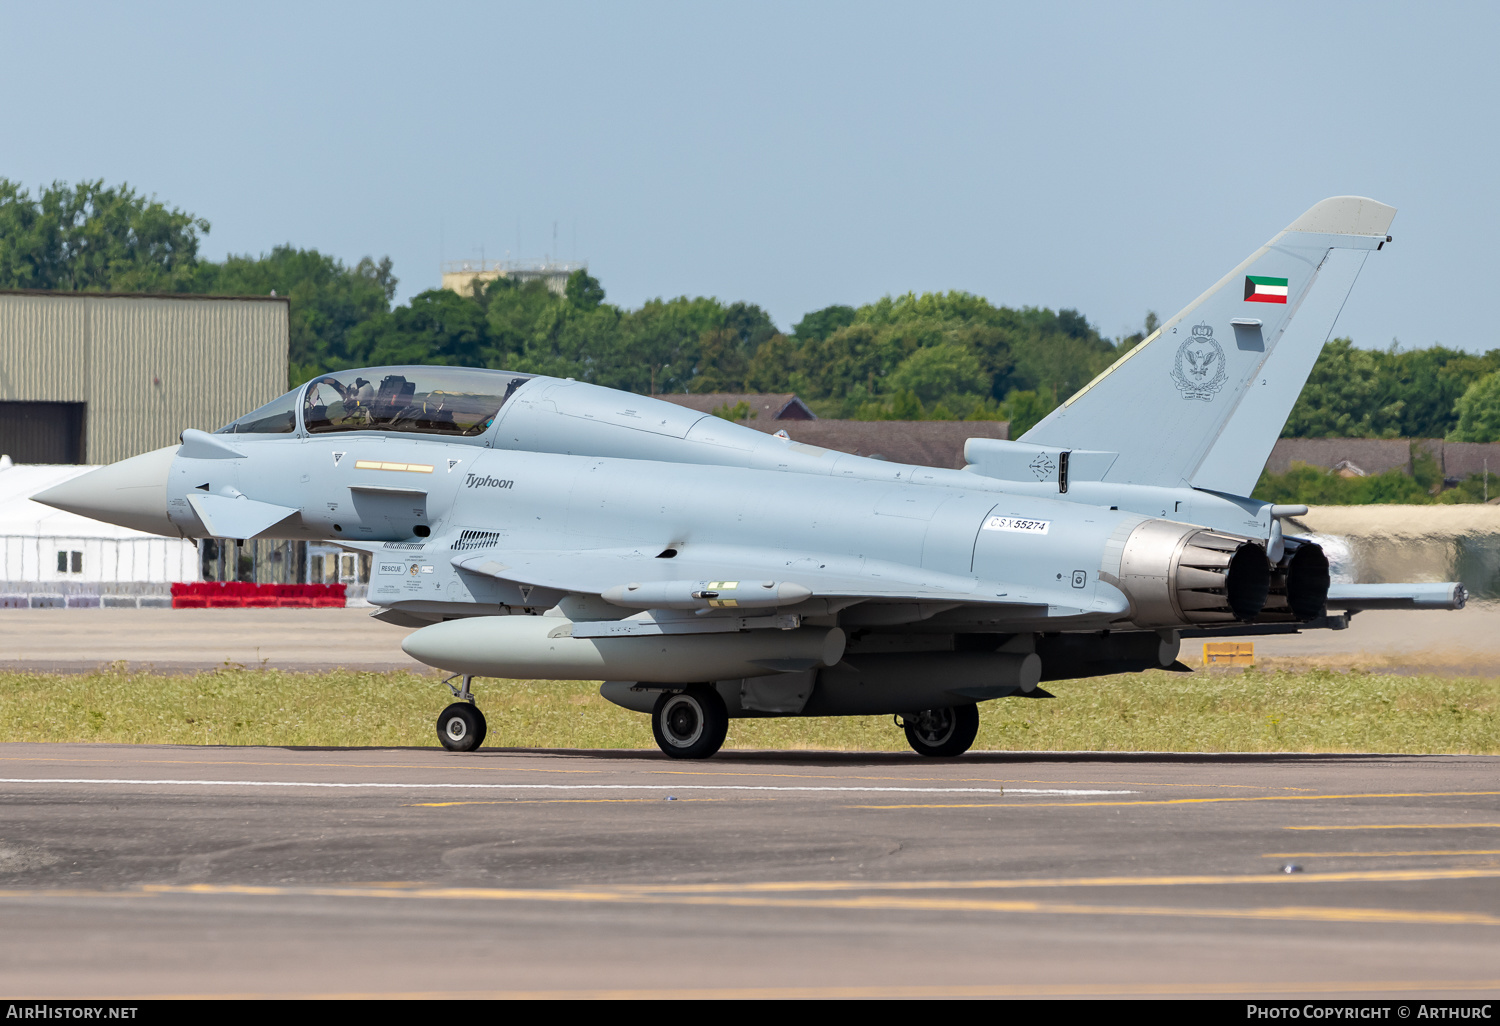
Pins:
x,y
1229,653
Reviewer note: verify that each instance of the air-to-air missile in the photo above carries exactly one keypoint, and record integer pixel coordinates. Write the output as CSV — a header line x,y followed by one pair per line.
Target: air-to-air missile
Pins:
x,y
532,527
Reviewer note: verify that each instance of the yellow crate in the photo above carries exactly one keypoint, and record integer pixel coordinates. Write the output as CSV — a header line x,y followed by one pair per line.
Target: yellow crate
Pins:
x,y
1229,653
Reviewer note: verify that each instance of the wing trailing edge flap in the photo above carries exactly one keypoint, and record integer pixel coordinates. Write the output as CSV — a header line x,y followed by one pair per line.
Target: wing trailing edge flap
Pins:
x,y
720,580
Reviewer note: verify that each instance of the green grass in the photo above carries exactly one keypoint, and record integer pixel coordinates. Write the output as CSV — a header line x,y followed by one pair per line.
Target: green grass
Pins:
x,y
1301,711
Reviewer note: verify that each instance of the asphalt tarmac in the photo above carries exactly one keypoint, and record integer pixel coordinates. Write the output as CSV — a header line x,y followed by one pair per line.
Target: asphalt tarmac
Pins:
x,y
139,871
180,640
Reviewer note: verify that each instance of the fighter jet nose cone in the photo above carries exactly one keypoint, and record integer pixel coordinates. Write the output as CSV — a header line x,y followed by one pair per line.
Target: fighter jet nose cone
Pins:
x,y
131,493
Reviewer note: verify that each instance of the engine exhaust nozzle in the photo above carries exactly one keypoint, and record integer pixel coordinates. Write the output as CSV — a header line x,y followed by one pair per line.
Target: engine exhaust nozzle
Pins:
x,y
1179,575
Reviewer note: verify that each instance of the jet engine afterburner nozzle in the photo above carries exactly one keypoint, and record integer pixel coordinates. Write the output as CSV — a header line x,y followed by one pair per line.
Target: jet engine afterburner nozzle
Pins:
x,y
1177,574
1299,585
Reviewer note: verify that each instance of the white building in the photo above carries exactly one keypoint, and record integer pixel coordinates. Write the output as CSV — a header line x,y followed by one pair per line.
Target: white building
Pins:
x,y
53,558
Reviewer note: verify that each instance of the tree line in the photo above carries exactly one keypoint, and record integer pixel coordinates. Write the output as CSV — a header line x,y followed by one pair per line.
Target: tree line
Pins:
x,y
943,356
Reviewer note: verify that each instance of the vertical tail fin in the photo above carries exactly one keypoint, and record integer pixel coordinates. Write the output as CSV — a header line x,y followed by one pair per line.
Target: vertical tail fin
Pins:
x,y
1202,400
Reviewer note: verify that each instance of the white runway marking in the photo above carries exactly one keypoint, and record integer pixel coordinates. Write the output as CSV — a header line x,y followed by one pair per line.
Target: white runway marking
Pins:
x,y
561,787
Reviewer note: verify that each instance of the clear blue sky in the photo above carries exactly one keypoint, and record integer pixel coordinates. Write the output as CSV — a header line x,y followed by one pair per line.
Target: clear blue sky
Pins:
x,y
1111,157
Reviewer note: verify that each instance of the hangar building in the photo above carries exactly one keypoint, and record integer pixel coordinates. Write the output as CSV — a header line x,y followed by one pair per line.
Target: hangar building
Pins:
x,y
88,377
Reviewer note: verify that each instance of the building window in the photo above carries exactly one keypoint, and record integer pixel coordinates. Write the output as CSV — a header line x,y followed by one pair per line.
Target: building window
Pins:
x,y
70,562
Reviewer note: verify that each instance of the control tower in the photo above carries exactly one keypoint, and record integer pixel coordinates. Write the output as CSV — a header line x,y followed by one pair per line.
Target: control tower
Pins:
x,y
460,275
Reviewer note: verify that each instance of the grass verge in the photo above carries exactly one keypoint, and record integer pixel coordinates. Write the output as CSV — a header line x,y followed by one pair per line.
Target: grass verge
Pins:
x,y
1253,711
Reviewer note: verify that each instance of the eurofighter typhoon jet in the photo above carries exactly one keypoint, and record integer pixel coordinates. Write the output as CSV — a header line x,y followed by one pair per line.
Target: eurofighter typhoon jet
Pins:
x,y
533,527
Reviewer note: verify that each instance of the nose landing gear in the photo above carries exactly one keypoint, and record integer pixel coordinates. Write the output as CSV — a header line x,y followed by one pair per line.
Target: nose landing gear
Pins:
x,y
461,727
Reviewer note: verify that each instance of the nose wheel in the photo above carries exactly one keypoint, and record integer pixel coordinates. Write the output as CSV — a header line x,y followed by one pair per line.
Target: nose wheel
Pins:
x,y
942,732
461,727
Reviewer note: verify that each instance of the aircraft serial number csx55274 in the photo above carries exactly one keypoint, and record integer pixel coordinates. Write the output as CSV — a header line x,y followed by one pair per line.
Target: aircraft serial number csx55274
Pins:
x,y
538,528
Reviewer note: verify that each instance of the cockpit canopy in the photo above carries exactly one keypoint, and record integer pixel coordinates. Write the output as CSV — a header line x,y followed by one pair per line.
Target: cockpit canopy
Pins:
x,y
458,401
424,400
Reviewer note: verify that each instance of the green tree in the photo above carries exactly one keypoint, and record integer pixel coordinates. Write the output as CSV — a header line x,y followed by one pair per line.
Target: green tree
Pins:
x,y
1316,486
1478,412
939,371
819,324
726,350
740,412
438,326
91,237
853,356
584,291
1427,384
525,322
328,299
1024,410
1342,398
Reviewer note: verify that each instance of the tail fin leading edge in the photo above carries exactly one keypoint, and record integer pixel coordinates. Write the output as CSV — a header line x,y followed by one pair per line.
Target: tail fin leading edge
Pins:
x,y
1202,400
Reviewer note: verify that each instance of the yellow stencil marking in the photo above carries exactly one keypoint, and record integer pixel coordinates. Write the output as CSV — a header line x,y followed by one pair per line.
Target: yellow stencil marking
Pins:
x,y
415,468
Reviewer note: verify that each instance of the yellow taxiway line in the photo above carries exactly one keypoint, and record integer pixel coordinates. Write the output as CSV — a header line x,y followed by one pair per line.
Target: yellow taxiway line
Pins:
x,y
1376,854
1186,801
878,896
1400,826
884,903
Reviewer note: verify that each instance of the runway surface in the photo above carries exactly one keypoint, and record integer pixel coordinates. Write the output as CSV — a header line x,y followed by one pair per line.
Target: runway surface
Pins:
x,y
133,871
72,640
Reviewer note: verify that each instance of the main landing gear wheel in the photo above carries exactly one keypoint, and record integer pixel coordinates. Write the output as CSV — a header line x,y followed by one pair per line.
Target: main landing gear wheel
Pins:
x,y
942,732
690,724
461,727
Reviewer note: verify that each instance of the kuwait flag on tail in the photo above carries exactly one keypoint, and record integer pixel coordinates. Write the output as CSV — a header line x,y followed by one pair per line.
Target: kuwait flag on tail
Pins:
x,y
1264,290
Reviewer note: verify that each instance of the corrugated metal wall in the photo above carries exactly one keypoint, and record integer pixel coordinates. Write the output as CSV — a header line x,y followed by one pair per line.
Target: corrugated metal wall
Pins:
x,y
147,366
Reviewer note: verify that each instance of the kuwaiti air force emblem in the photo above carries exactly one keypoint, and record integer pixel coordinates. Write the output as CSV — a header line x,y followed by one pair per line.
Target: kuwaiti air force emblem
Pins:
x,y
1199,371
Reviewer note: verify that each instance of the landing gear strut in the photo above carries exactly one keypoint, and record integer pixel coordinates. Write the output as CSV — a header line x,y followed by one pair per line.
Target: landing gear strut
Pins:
x,y
941,732
690,724
461,726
